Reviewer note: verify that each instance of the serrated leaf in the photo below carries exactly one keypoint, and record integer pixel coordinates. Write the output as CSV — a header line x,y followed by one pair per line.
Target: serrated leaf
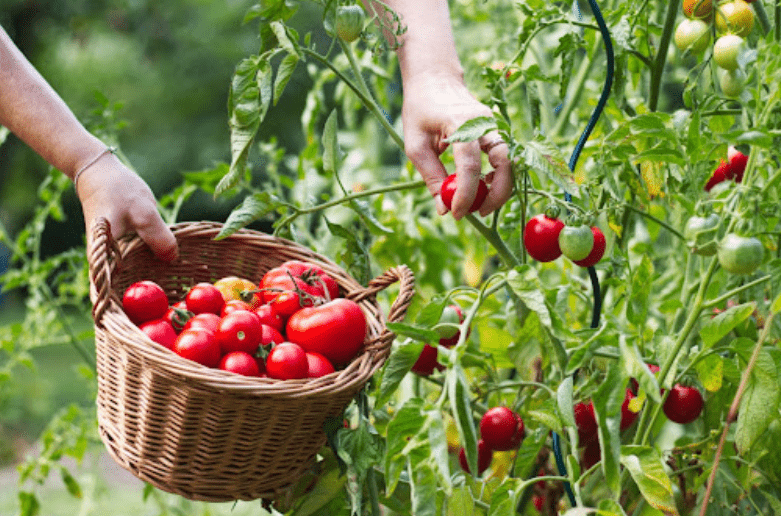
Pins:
x,y
760,403
423,488
713,330
284,73
396,368
472,129
646,467
542,156
289,45
251,209
354,254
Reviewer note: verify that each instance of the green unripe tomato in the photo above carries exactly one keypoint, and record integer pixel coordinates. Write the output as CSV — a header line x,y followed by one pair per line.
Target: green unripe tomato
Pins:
x,y
576,242
349,22
739,254
700,234
732,82
692,35
726,51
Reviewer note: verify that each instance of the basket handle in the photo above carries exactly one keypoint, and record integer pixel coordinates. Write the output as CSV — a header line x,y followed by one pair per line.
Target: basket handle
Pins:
x,y
405,277
103,256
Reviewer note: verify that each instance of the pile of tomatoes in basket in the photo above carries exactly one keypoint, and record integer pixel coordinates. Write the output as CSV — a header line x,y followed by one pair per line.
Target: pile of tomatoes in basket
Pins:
x,y
292,324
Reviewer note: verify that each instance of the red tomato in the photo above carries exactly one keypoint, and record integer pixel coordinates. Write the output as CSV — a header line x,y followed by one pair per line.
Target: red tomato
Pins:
x,y
287,361
586,421
597,251
627,416
207,321
502,429
683,404
178,315
318,365
270,335
270,317
240,362
427,361
239,331
454,315
448,190
144,301
484,457
198,345
160,331
541,238
335,329
234,288
295,274
203,298
591,454
287,303
234,305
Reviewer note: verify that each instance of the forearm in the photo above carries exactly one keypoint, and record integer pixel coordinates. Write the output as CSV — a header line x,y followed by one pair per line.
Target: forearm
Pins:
x,y
35,113
428,45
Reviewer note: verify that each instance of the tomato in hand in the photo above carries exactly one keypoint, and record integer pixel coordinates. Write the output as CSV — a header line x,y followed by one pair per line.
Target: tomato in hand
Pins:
x,y
541,238
683,404
240,362
204,298
576,242
740,255
234,288
198,345
160,331
448,190
295,275
336,329
484,457
287,361
502,429
597,250
239,331
144,301
318,365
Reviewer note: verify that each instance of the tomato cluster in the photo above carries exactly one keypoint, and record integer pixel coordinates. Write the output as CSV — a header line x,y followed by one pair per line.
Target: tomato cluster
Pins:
x,y
734,21
292,324
546,238
501,429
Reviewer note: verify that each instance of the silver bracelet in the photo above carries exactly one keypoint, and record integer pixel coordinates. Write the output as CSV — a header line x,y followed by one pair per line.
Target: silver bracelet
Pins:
x,y
107,150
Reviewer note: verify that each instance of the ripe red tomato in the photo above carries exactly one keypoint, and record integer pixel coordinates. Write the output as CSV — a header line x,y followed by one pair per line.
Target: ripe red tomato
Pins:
x,y
270,317
732,168
318,365
203,298
297,275
178,315
234,305
160,331
241,363
287,361
502,429
592,454
198,345
586,421
287,303
335,329
239,289
207,321
427,361
452,314
627,416
597,251
484,457
683,404
144,301
239,331
270,336
448,190
541,238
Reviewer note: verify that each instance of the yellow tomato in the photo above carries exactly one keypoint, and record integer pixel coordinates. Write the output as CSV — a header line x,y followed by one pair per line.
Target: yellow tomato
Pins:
x,y
233,287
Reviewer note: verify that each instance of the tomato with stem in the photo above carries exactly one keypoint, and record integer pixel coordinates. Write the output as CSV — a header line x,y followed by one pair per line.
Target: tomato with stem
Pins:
x,y
541,237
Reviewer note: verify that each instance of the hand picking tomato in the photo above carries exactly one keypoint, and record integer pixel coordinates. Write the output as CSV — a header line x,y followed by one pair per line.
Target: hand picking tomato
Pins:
x,y
502,429
484,457
239,331
541,238
576,242
234,288
597,250
335,329
198,345
318,365
203,298
287,361
241,363
683,404
144,301
586,421
448,190
160,331
296,275
739,254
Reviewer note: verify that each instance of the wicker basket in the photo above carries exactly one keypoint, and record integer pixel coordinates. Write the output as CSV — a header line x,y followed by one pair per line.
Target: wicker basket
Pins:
x,y
203,433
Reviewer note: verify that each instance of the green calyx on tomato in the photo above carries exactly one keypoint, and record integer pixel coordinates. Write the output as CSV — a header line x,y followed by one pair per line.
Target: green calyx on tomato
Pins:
x,y
739,254
576,242
349,22
701,234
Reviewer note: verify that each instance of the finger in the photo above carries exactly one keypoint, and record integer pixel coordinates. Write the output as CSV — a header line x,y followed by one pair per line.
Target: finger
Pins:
x,y
427,163
153,231
501,179
467,160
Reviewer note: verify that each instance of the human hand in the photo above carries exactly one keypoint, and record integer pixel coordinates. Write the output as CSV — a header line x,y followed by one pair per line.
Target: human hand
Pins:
x,y
434,107
109,189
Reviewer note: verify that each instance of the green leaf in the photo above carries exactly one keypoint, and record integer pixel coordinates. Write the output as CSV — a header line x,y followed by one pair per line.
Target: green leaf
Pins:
x,y
543,156
71,484
253,207
284,73
564,399
647,469
354,254
637,305
472,129
290,46
413,332
710,371
636,368
776,306
28,504
361,450
423,490
760,403
608,399
713,330
396,368
330,144
459,397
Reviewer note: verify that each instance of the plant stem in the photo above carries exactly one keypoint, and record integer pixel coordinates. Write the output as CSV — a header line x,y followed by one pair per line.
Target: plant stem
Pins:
x,y
371,479
574,97
657,71
764,21
495,240
718,300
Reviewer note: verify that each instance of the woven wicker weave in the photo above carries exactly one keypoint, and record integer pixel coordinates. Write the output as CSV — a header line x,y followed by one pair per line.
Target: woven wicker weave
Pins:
x,y
203,433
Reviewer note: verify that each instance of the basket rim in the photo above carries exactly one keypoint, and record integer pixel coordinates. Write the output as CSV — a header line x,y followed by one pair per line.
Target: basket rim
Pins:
x,y
114,322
